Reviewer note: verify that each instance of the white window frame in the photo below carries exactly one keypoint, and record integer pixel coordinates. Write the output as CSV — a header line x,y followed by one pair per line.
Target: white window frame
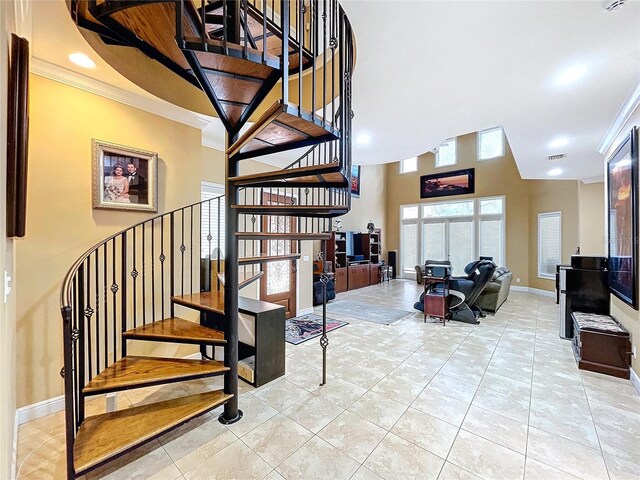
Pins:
x,y
409,221
479,143
455,157
407,271
549,276
403,171
218,190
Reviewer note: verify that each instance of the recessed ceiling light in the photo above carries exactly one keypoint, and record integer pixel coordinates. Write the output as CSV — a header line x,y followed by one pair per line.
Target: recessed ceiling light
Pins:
x,y
559,142
82,60
363,139
554,172
571,74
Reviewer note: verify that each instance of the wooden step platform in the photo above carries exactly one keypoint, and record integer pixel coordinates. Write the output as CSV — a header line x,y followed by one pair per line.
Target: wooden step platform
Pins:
x,y
204,301
282,236
103,437
311,211
281,128
257,37
136,372
313,176
244,278
267,259
176,330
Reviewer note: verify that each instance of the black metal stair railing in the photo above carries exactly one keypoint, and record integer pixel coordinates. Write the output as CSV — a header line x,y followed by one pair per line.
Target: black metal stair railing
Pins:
x,y
302,36
126,281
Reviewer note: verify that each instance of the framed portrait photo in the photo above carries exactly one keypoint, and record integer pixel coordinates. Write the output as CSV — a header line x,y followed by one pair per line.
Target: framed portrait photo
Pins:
x,y
124,178
622,174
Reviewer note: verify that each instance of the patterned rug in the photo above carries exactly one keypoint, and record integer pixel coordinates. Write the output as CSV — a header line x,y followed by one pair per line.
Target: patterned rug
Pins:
x,y
364,311
303,328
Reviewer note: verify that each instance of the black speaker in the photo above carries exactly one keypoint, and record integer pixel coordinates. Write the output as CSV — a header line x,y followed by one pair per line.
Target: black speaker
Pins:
x,y
392,257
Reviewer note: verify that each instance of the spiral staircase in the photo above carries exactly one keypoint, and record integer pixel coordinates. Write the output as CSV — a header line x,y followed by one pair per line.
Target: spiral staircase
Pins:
x,y
280,69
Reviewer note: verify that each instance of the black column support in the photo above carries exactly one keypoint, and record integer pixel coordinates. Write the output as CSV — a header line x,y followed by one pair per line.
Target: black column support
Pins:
x,y
231,412
324,340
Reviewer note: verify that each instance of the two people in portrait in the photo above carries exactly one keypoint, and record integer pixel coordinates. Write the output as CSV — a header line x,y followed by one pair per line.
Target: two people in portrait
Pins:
x,y
125,186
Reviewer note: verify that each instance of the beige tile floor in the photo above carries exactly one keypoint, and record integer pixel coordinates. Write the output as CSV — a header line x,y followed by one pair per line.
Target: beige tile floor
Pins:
x,y
502,400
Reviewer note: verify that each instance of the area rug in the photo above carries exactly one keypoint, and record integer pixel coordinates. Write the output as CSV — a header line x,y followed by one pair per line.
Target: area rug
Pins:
x,y
303,328
369,313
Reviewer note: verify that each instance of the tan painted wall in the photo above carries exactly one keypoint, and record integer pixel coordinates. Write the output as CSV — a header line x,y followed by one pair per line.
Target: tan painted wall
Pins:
x,y
370,206
625,314
592,219
552,196
493,177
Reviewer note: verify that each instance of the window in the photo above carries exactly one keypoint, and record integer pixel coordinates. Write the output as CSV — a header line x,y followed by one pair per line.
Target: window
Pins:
x,y
409,165
549,243
212,232
409,211
446,154
459,231
490,143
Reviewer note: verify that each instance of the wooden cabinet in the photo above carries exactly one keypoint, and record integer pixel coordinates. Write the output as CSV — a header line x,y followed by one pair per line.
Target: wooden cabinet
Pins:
x,y
337,250
369,245
341,280
351,274
358,276
601,344
374,273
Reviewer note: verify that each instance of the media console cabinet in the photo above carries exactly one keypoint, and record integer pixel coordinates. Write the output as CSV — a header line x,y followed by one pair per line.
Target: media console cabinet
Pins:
x,y
352,274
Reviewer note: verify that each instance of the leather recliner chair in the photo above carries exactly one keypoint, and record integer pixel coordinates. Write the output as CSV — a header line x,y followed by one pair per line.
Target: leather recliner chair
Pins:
x,y
479,273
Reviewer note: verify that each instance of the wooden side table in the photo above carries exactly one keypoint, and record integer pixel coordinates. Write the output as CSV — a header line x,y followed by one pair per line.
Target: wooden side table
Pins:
x,y
435,298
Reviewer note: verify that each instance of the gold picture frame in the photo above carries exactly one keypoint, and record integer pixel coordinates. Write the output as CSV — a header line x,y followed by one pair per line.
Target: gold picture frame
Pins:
x,y
124,178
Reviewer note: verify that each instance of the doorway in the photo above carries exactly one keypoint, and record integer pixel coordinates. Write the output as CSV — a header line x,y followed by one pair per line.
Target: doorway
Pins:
x,y
278,284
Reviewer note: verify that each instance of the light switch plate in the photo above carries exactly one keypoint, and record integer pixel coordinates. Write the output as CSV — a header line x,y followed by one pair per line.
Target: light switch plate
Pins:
x,y
305,258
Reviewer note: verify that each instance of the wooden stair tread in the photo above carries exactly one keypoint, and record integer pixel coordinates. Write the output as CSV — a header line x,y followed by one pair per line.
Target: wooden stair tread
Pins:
x,y
278,129
176,330
203,301
282,236
320,211
287,173
244,278
105,436
135,372
268,258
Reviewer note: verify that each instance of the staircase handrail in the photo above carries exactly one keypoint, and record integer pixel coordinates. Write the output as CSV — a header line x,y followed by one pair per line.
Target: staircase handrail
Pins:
x,y
65,291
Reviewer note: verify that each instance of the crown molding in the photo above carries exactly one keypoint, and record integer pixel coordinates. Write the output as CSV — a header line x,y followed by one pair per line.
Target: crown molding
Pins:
x,y
156,106
628,107
596,179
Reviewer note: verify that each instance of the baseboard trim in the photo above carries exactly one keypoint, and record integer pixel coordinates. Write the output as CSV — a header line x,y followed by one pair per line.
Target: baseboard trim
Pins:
x,y
635,379
305,311
537,291
40,409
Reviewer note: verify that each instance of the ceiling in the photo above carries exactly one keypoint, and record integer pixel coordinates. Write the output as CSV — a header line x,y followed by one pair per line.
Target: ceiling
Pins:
x,y
427,71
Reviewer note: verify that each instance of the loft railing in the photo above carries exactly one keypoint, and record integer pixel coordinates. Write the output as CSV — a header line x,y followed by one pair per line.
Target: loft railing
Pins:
x,y
254,30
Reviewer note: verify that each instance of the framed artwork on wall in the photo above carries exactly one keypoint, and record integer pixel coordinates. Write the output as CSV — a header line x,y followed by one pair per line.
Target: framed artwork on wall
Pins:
x,y
355,181
457,182
17,136
124,178
622,174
